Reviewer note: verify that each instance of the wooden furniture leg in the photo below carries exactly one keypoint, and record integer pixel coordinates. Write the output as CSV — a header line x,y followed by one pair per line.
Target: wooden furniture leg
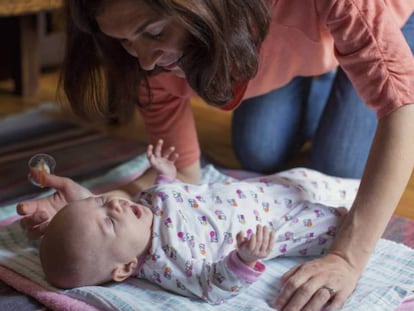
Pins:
x,y
26,67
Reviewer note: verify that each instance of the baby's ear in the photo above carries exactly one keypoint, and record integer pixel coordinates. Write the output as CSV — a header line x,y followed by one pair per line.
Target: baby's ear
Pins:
x,y
123,271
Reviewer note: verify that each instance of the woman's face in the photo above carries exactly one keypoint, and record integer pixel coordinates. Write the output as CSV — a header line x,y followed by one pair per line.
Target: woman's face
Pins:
x,y
155,40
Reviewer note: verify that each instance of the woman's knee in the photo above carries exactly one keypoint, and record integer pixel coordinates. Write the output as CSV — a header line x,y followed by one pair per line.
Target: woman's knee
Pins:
x,y
343,139
263,146
265,128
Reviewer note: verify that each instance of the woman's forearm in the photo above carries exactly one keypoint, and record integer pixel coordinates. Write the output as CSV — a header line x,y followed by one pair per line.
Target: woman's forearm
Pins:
x,y
387,172
190,174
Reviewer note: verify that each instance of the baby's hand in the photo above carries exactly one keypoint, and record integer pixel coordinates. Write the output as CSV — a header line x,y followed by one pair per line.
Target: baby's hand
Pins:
x,y
258,246
164,164
37,213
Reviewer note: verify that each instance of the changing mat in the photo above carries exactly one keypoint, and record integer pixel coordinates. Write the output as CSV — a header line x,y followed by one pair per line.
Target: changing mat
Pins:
x,y
386,282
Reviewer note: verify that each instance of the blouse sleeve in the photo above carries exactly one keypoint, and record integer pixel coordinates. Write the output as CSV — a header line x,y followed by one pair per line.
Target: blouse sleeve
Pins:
x,y
372,50
169,117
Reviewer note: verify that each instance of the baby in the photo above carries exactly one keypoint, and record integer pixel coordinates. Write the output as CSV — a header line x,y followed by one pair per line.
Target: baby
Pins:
x,y
205,241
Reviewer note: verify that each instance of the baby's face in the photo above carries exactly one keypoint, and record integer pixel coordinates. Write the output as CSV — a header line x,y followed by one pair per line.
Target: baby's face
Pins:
x,y
119,226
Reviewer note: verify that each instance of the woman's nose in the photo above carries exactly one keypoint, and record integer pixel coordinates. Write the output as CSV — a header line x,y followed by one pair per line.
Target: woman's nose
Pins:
x,y
148,54
148,59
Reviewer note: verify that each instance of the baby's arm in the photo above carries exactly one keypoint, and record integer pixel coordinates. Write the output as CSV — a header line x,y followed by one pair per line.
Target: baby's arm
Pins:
x,y
164,164
258,246
238,270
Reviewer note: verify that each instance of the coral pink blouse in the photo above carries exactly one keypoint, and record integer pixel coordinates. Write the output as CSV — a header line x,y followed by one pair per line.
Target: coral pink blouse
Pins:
x,y
306,38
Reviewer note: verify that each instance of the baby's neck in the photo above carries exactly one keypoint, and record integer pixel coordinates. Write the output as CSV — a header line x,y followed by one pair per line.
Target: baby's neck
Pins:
x,y
147,247
141,257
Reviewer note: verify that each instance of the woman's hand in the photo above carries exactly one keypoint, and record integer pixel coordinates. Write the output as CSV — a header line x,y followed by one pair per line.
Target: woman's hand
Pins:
x,y
163,163
257,246
38,212
321,283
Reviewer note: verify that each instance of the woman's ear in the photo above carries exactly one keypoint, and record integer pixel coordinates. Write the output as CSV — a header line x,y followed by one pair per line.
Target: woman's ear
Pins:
x,y
123,271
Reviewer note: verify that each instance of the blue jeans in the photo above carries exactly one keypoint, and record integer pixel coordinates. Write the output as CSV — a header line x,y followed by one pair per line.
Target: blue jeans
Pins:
x,y
268,130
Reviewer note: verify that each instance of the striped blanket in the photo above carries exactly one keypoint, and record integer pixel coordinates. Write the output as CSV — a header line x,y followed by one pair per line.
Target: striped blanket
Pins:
x,y
386,282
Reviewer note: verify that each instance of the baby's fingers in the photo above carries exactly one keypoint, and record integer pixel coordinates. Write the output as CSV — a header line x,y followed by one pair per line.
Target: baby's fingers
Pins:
x,y
240,238
24,208
264,240
252,243
269,242
37,218
158,148
170,154
150,151
37,232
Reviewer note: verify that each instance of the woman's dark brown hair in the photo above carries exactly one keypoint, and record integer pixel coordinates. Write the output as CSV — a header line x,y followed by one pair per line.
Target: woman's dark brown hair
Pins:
x,y
101,79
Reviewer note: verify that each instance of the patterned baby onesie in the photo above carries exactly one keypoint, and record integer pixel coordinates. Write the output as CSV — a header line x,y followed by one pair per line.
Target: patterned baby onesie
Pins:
x,y
193,242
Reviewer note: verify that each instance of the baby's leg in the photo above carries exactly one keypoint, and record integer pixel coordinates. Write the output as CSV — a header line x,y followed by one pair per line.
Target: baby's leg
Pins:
x,y
309,230
320,188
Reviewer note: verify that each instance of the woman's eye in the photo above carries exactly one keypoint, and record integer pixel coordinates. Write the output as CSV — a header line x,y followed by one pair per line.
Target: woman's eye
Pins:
x,y
155,34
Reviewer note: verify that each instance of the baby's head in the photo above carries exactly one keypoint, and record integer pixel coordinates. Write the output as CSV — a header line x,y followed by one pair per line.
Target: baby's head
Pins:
x,y
95,240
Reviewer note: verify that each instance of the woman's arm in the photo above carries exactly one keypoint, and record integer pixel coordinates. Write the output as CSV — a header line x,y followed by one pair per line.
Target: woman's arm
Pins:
x,y
386,175
373,52
37,213
387,172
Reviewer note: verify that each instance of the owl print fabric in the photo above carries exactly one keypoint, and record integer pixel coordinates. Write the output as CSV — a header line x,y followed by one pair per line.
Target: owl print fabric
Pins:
x,y
193,246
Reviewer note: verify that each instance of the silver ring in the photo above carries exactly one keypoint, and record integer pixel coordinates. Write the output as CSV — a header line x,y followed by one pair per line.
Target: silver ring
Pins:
x,y
331,291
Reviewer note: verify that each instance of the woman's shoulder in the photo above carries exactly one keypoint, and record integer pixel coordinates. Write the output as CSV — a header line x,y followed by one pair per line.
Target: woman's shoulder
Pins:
x,y
305,14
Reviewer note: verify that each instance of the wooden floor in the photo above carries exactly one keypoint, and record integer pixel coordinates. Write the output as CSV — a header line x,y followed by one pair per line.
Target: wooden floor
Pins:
x,y
213,128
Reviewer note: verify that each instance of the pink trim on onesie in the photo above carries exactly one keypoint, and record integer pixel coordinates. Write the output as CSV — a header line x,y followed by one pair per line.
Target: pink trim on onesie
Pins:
x,y
162,179
242,270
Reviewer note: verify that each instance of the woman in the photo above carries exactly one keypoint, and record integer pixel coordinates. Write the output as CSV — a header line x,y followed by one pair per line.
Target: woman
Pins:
x,y
264,54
